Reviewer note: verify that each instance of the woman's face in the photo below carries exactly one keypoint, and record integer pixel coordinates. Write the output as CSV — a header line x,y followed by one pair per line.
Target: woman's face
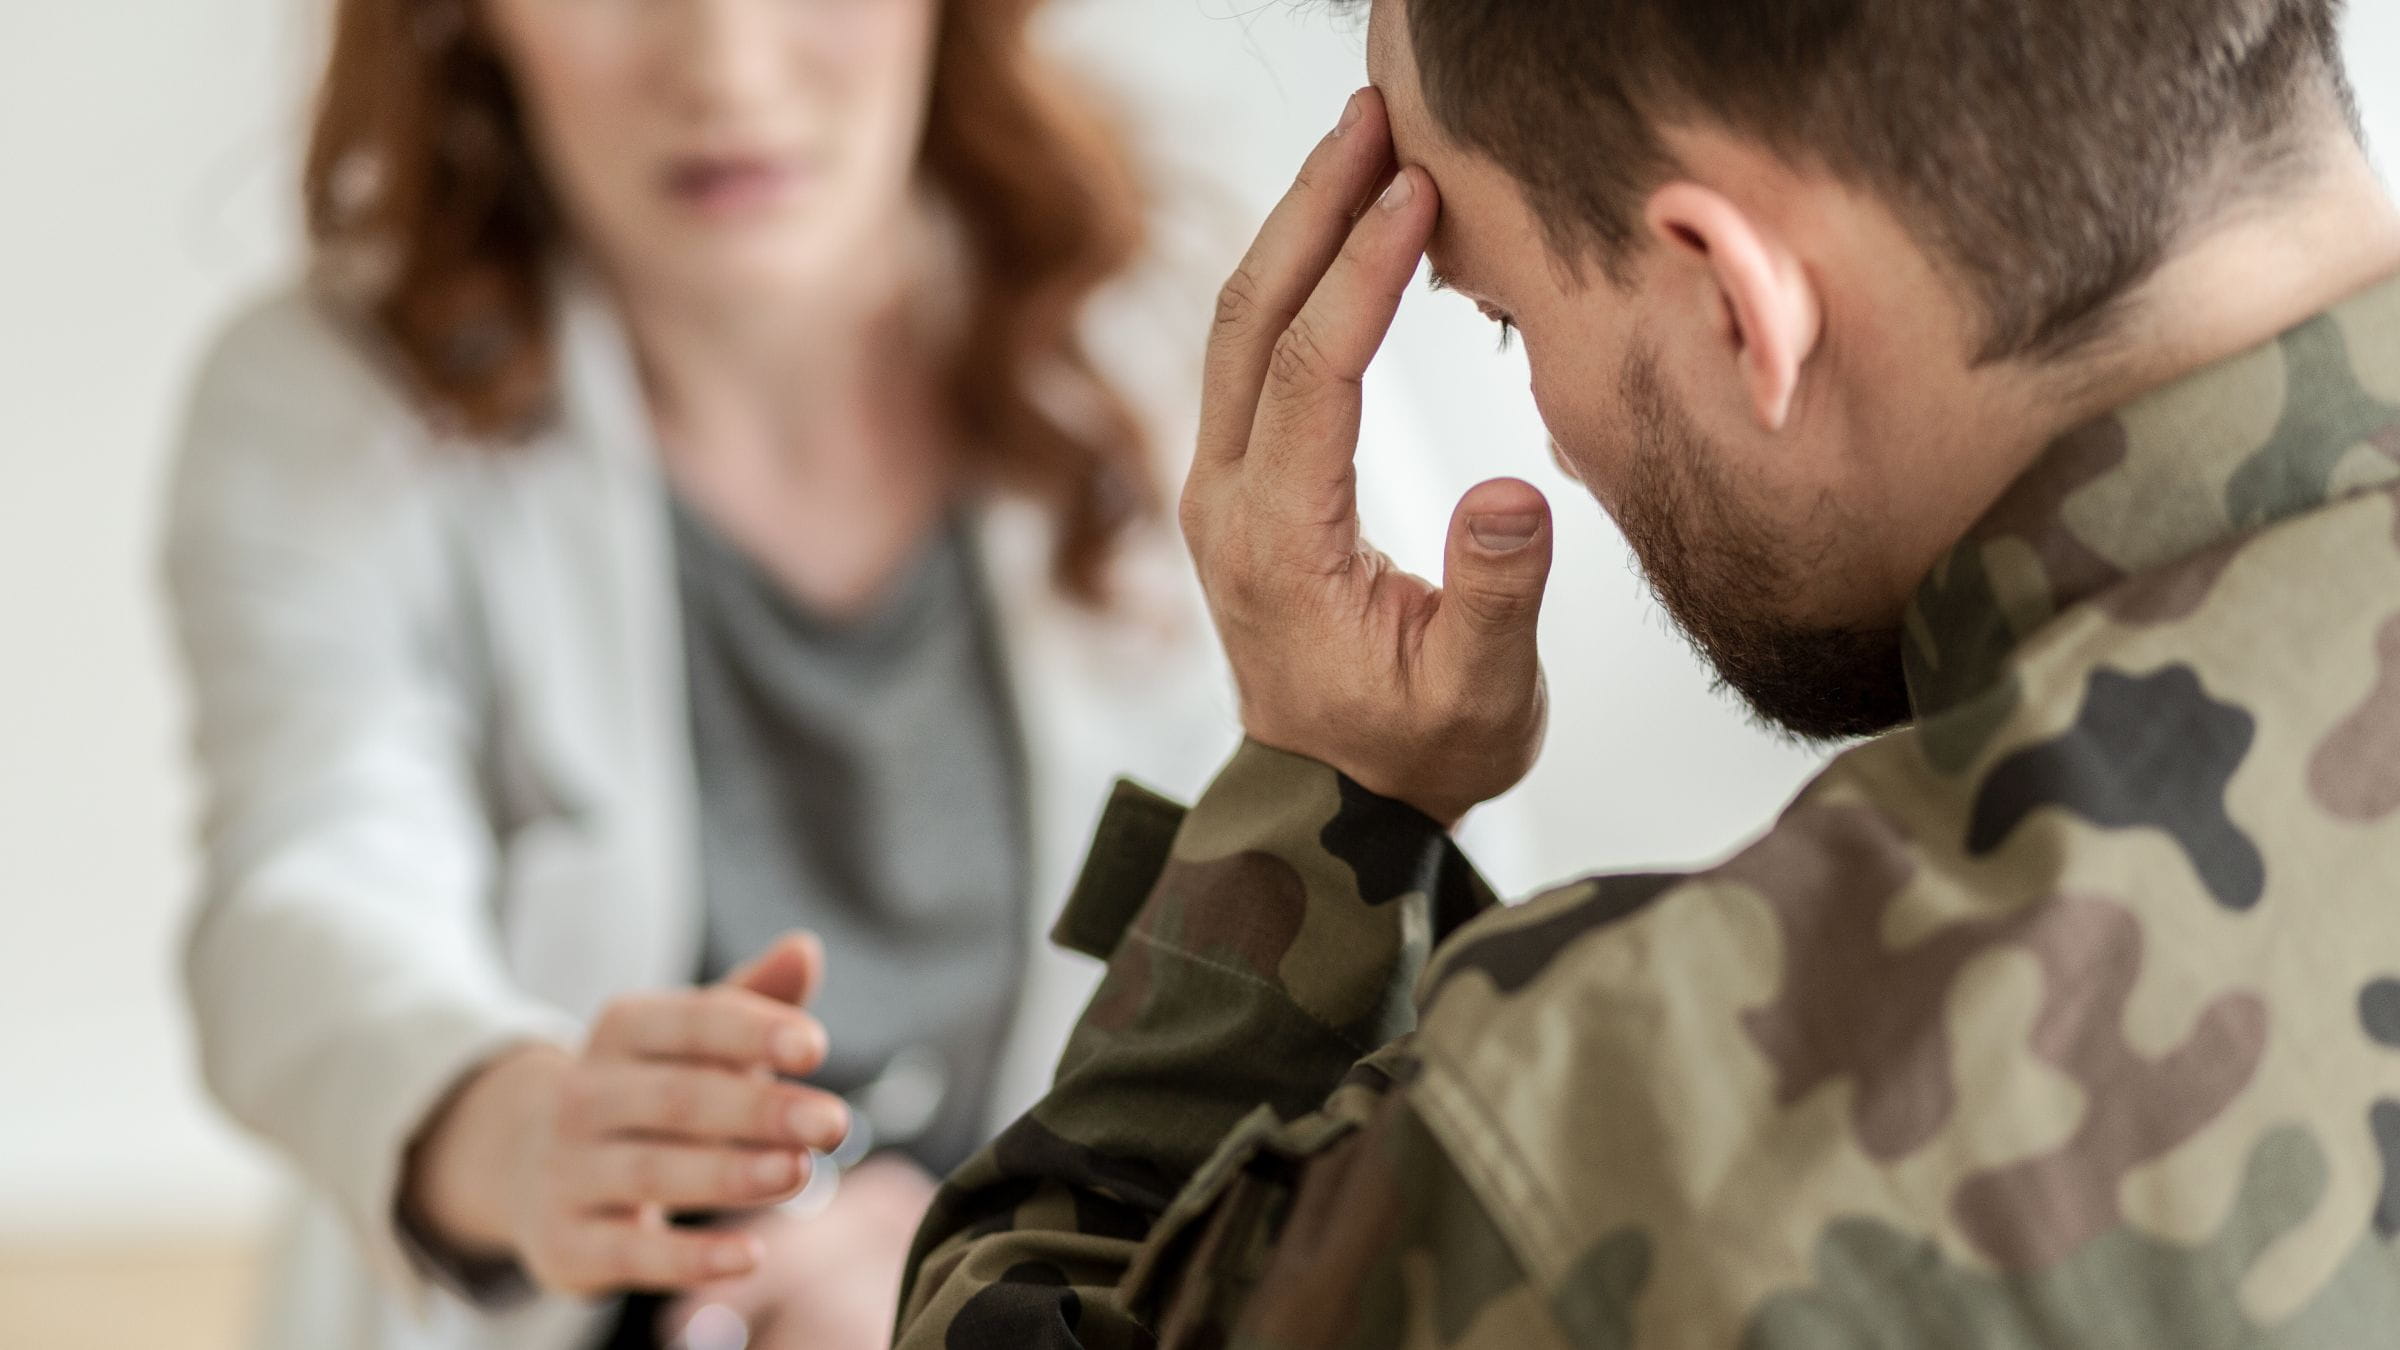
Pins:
x,y
723,148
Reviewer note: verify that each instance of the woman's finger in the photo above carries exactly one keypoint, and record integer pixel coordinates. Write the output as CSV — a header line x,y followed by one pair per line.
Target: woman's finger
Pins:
x,y
621,1176
622,1254
788,971
1300,238
698,1322
722,1025
700,1103
724,1315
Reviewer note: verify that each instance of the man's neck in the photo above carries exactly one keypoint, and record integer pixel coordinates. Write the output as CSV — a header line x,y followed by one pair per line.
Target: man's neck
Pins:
x,y
2262,270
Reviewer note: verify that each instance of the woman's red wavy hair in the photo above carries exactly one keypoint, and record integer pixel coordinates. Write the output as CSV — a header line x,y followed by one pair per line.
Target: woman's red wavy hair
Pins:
x,y
426,205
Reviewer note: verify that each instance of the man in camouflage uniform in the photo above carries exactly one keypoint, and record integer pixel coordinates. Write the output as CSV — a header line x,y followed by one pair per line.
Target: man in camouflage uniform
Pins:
x,y
2067,1014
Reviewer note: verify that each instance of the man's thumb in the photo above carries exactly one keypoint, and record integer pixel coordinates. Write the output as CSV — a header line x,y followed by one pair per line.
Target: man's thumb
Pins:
x,y
1495,568
788,971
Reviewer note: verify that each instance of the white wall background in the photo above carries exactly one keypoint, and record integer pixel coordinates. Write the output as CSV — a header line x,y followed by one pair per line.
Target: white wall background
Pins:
x,y
145,151
143,148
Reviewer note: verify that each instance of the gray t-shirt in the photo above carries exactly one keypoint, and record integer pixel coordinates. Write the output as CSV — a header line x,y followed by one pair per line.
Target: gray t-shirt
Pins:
x,y
863,780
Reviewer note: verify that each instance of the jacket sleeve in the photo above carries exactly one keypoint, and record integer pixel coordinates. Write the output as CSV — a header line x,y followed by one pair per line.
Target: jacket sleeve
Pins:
x,y
1226,1139
342,966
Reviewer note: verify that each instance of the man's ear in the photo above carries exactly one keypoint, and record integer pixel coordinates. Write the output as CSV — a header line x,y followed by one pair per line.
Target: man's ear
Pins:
x,y
1771,313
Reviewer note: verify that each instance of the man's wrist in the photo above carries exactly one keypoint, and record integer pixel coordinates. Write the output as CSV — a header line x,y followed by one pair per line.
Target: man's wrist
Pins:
x,y
1443,815
1392,846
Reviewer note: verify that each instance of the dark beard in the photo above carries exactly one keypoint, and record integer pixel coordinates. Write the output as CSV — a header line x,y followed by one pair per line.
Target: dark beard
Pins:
x,y
1717,571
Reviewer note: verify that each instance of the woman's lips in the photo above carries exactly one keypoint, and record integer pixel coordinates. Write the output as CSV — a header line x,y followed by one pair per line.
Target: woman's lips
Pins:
x,y
726,185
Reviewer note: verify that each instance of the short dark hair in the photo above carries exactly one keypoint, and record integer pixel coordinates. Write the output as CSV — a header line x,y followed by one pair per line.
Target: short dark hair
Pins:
x,y
2050,152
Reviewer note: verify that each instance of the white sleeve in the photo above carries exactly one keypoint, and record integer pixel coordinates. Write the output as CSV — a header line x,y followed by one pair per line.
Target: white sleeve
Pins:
x,y
343,966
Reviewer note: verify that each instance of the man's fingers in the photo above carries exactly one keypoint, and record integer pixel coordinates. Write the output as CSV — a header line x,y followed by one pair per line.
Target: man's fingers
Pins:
x,y
683,1101
679,1177
1306,431
1497,564
723,1025
1300,238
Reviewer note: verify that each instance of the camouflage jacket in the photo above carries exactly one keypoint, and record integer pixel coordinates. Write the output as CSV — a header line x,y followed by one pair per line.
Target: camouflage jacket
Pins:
x,y
2067,1017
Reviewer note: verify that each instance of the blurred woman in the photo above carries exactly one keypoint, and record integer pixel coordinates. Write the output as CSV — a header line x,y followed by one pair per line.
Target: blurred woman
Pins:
x,y
686,504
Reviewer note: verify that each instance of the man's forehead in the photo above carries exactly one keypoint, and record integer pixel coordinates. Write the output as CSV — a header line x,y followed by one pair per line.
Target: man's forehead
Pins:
x,y
1391,68
1379,40
1387,41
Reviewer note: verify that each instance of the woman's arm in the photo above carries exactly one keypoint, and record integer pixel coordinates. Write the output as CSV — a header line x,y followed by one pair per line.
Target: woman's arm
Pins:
x,y
340,966
343,968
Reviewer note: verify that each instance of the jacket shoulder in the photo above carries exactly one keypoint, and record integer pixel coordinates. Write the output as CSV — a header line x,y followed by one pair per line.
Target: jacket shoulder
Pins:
x,y
291,417
1666,1088
1965,1036
292,345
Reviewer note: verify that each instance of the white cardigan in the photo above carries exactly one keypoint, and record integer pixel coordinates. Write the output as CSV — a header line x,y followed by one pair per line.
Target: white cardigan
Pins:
x,y
440,719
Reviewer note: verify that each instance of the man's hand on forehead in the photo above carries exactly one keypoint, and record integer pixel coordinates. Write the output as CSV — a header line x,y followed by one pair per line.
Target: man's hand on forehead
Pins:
x,y
1432,696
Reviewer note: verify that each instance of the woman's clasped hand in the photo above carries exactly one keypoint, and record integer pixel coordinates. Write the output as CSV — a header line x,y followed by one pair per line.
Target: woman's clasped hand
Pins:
x,y
679,1102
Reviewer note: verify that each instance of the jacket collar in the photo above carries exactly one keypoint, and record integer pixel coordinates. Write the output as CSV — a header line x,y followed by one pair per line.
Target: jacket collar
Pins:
x,y
2113,505
602,408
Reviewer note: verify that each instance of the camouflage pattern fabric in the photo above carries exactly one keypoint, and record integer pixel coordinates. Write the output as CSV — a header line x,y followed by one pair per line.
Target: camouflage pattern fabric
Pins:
x,y
2067,1017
